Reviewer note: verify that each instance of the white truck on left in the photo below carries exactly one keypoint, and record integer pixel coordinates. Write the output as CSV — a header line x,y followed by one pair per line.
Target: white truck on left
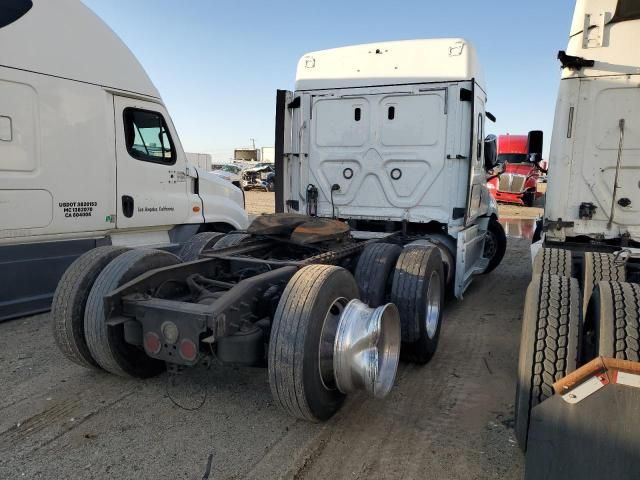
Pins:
x,y
89,156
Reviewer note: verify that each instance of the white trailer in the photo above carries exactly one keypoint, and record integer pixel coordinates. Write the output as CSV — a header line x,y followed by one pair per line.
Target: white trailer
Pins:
x,y
576,408
88,153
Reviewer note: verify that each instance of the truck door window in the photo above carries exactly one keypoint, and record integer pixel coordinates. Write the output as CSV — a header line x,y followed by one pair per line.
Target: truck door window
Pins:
x,y
147,137
12,10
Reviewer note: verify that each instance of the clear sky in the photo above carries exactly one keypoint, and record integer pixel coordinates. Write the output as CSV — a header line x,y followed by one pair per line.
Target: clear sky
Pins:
x,y
218,63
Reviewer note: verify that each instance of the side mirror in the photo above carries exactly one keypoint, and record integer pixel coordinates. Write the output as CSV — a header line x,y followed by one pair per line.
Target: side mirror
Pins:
x,y
534,145
490,152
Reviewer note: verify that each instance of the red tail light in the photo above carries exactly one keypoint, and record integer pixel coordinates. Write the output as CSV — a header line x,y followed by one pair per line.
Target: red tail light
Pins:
x,y
188,350
152,343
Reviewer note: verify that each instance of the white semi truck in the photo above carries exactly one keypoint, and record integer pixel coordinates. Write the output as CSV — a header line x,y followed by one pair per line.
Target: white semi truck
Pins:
x,y
381,157
576,405
88,153
391,137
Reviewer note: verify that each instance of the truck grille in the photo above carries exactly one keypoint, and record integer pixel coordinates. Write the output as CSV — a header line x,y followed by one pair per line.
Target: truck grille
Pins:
x,y
510,182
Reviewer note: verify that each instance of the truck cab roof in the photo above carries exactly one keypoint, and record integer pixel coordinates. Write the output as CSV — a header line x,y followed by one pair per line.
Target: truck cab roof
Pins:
x,y
66,39
602,31
390,63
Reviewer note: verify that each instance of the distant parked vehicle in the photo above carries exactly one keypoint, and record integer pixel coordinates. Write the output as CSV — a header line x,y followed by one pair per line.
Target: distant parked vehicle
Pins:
x,y
260,177
231,173
515,178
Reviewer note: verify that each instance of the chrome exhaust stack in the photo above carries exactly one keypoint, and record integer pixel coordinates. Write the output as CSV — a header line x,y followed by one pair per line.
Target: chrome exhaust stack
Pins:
x,y
366,349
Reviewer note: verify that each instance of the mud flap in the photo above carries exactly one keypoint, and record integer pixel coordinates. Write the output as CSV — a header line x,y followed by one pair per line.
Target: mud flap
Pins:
x,y
589,432
469,259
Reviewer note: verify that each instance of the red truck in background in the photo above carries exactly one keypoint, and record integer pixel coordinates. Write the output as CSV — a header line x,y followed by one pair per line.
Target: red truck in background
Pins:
x,y
515,179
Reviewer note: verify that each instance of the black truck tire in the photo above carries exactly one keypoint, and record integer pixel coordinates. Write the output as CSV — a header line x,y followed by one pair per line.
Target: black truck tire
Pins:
x,y
548,343
192,248
294,359
599,267
70,301
106,343
552,261
448,260
495,245
373,272
529,198
230,240
617,308
418,292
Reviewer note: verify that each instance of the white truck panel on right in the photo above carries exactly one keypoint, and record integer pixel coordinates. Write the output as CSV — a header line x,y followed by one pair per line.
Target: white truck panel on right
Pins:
x,y
589,154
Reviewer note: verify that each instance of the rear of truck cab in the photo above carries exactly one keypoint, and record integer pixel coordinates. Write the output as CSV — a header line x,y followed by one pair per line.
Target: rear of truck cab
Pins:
x,y
391,135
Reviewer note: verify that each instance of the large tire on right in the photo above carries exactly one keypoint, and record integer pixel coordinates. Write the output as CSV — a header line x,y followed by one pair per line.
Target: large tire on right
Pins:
x,y
192,248
312,294
599,267
106,343
418,292
617,308
548,343
231,240
553,261
373,272
70,301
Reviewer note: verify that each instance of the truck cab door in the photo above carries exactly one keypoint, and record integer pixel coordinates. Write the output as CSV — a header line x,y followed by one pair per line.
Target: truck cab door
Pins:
x,y
153,188
478,204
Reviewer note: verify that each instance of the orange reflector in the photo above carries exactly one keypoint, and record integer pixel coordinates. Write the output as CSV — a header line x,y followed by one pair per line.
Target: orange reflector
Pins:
x,y
196,209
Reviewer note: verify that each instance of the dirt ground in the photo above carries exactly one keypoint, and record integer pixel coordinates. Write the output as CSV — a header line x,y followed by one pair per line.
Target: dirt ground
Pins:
x,y
258,203
451,419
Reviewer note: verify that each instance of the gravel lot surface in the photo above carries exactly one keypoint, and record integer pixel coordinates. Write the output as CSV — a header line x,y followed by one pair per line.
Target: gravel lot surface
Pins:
x,y
451,419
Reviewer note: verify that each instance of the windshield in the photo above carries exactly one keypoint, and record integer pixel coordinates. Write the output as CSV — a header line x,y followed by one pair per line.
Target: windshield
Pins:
x,y
513,158
230,168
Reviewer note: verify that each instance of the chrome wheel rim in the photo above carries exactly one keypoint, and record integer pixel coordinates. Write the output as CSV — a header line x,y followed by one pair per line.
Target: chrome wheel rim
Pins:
x,y
327,340
432,315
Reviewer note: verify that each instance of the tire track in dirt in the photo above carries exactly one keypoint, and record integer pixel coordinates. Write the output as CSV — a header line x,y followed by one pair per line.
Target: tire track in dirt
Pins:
x,y
60,417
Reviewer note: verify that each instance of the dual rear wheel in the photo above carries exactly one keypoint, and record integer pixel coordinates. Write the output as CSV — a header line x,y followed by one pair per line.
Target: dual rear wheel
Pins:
x,y
79,323
564,327
413,279
319,296
77,313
